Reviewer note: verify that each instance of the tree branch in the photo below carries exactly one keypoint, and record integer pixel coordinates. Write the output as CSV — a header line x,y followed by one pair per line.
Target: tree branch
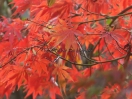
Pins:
x,y
20,54
108,17
88,65
125,10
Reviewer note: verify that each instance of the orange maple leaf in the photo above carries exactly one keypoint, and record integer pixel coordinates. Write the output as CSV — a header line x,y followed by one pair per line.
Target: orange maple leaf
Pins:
x,y
60,71
65,35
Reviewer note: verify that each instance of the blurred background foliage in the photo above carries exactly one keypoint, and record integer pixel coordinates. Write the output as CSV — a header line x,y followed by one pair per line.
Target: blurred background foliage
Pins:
x,y
7,11
5,8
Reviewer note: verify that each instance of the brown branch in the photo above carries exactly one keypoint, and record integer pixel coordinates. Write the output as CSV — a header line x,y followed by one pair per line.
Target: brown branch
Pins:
x,y
125,10
98,14
109,17
20,54
88,65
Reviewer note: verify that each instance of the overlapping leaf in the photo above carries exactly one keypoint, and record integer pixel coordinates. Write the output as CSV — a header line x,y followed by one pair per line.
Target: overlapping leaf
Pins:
x,y
66,36
61,72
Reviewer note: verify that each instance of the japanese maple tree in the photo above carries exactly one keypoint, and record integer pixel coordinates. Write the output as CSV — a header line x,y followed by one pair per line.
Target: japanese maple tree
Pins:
x,y
72,49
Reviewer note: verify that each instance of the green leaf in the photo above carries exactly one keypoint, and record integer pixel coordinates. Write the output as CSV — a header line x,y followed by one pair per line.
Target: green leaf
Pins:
x,y
96,54
108,21
50,2
121,68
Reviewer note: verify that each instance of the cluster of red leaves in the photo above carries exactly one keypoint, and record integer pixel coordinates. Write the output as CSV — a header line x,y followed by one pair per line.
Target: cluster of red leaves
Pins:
x,y
45,53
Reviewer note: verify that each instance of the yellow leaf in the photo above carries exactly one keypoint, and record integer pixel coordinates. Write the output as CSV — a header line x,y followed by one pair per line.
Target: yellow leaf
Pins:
x,y
50,2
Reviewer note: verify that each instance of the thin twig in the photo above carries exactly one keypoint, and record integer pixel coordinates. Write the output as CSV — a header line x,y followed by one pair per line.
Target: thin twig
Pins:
x,y
109,50
85,54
